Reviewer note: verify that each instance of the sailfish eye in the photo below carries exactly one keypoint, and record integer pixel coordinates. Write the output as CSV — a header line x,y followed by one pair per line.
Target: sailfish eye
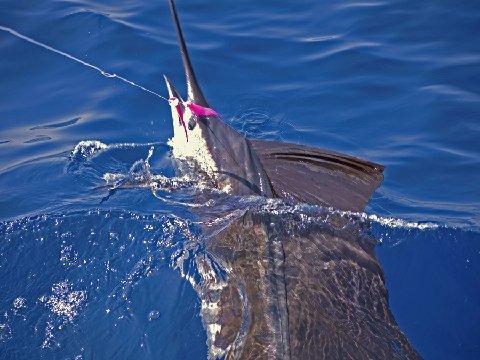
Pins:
x,y
192,123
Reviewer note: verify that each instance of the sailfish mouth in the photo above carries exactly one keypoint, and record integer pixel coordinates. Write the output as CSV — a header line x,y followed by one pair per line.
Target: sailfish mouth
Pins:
x,y
177,105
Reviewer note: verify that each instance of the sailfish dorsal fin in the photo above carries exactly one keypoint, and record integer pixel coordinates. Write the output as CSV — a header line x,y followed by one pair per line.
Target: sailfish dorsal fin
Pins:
x,y
318,176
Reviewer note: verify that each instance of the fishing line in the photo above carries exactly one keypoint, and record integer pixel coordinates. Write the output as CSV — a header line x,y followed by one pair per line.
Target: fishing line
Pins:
x,y
84,63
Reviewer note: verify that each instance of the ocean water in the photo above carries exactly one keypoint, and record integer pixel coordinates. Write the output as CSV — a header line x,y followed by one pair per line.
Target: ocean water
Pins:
x,y
96,264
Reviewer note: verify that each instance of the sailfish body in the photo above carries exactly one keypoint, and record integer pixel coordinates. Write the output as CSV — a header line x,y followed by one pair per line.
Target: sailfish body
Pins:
x,y
242,166
288,293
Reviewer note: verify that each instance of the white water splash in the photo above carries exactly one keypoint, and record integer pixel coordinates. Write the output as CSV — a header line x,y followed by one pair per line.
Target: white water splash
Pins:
x,y
5,329
88,148
19,303
64,302
390,222
140,176
278,207
113,178
399,223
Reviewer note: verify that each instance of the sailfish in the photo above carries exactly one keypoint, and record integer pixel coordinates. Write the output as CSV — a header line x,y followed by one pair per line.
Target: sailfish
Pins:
x,y
312,292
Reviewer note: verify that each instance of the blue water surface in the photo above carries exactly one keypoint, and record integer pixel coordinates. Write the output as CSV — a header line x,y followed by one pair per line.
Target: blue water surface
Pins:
x,y
90,273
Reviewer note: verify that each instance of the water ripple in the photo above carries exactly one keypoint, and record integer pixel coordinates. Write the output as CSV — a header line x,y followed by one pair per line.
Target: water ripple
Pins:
x,y
346,47
57,125
452,92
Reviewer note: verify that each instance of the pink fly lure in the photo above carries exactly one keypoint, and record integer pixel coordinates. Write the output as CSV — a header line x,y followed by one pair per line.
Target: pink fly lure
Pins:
x,y
194,108
200,110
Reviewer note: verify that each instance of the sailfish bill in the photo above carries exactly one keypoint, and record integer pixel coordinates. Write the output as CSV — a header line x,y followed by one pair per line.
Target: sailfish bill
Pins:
x,y
193,88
